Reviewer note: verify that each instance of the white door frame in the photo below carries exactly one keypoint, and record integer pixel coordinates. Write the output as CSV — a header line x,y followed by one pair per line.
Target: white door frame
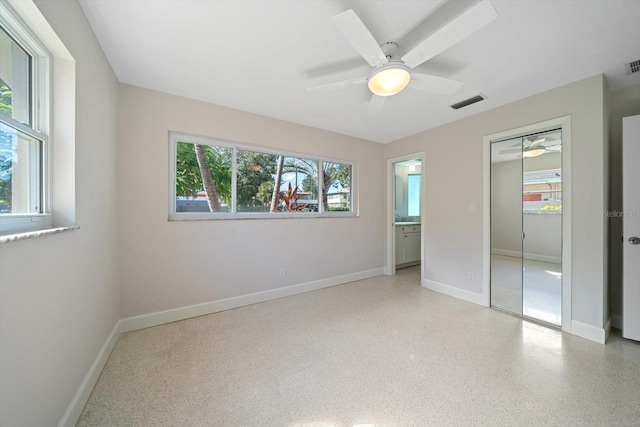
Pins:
x,y
565,124
390,220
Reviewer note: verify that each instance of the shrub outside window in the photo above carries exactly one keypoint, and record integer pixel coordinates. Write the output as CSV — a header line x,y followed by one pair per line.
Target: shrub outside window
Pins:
x,y
215,179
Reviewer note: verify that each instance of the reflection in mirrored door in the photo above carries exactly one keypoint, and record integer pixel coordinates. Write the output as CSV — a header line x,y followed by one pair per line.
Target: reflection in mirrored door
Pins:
x,y
506,225
526,226
542,227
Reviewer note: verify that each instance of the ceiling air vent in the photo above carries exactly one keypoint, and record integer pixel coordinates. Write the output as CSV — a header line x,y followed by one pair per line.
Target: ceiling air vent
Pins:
x,y
466,102
633,66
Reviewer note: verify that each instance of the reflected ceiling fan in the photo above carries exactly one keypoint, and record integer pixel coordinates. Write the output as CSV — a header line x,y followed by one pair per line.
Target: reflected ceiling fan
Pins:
x,y
535,146
390,74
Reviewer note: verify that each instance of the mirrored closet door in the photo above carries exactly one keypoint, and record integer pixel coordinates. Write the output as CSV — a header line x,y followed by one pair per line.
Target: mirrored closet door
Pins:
x,y
526,226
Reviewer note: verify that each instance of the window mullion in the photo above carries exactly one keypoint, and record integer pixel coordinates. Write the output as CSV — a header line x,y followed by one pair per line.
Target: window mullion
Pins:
x,y
34,179
22,128
320,188
234,180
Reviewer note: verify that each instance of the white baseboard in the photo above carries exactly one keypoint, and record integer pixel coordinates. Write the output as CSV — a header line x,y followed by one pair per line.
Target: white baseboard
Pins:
x,y
74,410
589,332
543,258
532,257
505,252
616,321
607,329
181,313
452,291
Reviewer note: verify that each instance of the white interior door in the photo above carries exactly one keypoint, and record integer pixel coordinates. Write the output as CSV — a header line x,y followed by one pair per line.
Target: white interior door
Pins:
x,y
631,228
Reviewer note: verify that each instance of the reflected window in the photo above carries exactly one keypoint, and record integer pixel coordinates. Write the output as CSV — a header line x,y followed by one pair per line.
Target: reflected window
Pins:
x,y
542,191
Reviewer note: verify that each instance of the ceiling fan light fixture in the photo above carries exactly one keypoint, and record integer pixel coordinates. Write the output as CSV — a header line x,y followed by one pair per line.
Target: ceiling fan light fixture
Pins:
x,y
533,151
389,79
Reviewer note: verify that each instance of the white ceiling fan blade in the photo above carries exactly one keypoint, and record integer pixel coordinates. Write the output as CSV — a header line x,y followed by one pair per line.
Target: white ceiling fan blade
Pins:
x,y
549,148
451,33
511,151
434,84
536,142
375,104
356,33
338,85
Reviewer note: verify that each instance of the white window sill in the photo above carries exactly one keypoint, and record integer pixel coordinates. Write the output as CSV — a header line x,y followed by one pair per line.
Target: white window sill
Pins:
x,y
36,233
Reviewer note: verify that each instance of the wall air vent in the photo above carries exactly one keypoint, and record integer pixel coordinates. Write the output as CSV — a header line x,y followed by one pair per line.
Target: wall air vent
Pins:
x,y
466,102
633,66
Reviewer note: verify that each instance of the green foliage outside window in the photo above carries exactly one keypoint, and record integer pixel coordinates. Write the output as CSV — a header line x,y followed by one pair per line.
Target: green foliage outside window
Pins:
x,y
255,179
5,99
188,177
6,151
257,174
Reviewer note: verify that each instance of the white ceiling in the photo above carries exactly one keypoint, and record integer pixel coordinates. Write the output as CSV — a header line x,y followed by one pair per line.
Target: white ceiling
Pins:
x,y
261,56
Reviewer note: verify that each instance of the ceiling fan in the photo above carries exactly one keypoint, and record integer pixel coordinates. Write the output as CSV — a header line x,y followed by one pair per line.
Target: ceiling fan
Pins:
x,y
390,74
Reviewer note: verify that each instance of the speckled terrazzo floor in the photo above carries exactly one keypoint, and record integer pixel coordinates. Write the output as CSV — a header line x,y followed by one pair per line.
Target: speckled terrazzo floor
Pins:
x,y
378,352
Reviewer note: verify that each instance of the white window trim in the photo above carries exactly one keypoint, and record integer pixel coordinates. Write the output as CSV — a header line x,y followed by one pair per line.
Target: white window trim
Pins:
x,y
175,137
41,122
59,171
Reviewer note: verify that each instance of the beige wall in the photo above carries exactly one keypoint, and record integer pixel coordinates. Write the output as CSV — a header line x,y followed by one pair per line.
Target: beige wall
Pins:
x,y
453,154
623,103
165,265
59,299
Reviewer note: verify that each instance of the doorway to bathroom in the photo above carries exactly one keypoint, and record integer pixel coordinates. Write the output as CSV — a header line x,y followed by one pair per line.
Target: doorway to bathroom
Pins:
x,y
405,207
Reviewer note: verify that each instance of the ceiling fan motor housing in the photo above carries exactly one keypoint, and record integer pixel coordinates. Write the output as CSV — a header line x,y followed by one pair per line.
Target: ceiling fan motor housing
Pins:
x,y
389,49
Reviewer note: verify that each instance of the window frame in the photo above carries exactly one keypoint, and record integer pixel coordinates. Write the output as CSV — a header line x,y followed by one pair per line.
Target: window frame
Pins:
x,y
40,127
175,137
